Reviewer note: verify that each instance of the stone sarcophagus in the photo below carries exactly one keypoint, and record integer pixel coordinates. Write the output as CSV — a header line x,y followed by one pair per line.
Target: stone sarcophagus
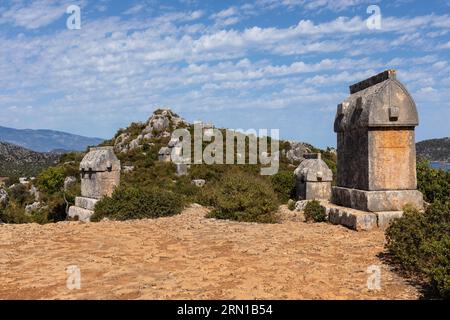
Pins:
x,y
376,157
313,178
100,174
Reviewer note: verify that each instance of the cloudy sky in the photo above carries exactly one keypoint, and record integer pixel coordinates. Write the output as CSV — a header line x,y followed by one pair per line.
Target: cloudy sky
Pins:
x,y
260,64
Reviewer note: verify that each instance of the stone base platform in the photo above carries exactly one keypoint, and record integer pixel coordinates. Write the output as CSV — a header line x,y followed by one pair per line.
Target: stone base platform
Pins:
x,y
83,209
357,219
377,201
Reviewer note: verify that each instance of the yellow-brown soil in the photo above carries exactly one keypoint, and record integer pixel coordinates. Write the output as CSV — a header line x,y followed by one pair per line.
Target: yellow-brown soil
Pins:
x,y
191,257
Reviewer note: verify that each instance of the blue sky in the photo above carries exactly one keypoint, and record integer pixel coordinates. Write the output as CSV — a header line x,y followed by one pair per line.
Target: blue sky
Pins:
x,y
260,64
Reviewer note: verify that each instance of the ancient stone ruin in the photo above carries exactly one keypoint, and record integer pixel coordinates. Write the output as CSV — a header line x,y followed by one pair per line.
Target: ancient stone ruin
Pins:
x,y
376,166
100,174
376,157
313,178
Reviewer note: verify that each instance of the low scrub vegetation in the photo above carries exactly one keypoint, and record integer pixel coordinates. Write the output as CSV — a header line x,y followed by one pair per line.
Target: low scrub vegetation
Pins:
x,y
314,212
243,197
420,243
136,203
283,183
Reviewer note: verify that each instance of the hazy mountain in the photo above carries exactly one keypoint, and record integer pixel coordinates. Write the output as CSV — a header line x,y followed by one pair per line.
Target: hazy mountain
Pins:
x,y
18,161
434,149
46,140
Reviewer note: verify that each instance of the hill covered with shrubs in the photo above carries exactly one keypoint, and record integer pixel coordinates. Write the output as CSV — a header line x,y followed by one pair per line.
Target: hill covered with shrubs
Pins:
x,y
17,161
151,187
434,149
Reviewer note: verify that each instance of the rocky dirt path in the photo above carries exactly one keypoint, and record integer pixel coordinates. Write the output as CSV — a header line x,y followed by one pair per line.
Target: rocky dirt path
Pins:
x,y
191,257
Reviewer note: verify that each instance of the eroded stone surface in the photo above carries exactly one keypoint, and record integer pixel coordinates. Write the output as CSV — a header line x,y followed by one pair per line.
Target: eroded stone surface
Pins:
x,y
375,146
85,203
81,214
374,201
100,175
387,217
313,178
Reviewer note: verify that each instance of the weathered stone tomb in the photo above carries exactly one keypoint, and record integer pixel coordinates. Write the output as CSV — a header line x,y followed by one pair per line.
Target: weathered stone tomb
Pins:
x,y
313,178
100,174
376,157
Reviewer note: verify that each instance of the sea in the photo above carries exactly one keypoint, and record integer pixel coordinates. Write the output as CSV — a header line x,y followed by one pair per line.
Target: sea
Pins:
x,y
440,165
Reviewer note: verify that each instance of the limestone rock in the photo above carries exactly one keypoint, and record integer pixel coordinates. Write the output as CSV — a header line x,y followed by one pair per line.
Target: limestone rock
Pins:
x,y
25,181
353,219
69,181
86,203
387,217
4,198
199,182
298,149
128,169
300,205
80,214
159,125
32,207
35,193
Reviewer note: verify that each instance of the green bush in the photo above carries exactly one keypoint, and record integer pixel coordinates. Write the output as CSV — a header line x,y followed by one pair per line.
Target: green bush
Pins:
x,y
135,203
14,213
284,184
244,197
51,180
315,212
19,194
433,183
420,243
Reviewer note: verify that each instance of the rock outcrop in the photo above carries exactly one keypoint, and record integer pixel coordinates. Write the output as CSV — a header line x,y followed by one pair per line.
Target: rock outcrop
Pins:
x,y
159,125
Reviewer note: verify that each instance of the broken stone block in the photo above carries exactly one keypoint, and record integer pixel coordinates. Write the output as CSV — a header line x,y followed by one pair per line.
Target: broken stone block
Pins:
x,y
86,203
353,219
300,205
81,214
385,218
375,201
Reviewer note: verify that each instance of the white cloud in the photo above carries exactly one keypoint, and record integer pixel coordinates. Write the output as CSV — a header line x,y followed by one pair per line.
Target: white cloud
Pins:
x,y
115,70
36,14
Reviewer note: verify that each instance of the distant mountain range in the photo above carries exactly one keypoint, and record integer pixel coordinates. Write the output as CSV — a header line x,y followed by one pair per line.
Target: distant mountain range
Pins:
x,y
46,140
434,149
18,161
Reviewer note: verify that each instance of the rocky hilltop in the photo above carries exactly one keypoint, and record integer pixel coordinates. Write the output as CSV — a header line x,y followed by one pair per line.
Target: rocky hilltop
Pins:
x,y
161,124
434,149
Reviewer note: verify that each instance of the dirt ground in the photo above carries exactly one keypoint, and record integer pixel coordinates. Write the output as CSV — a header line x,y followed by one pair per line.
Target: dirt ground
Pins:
x,y
192,257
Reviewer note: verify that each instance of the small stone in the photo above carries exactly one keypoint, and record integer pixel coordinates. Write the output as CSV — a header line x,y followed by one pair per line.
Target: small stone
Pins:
x,y
199,182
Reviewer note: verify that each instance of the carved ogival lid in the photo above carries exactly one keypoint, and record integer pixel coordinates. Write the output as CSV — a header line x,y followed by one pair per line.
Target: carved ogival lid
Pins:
x,y
379,101
100,159
313,168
